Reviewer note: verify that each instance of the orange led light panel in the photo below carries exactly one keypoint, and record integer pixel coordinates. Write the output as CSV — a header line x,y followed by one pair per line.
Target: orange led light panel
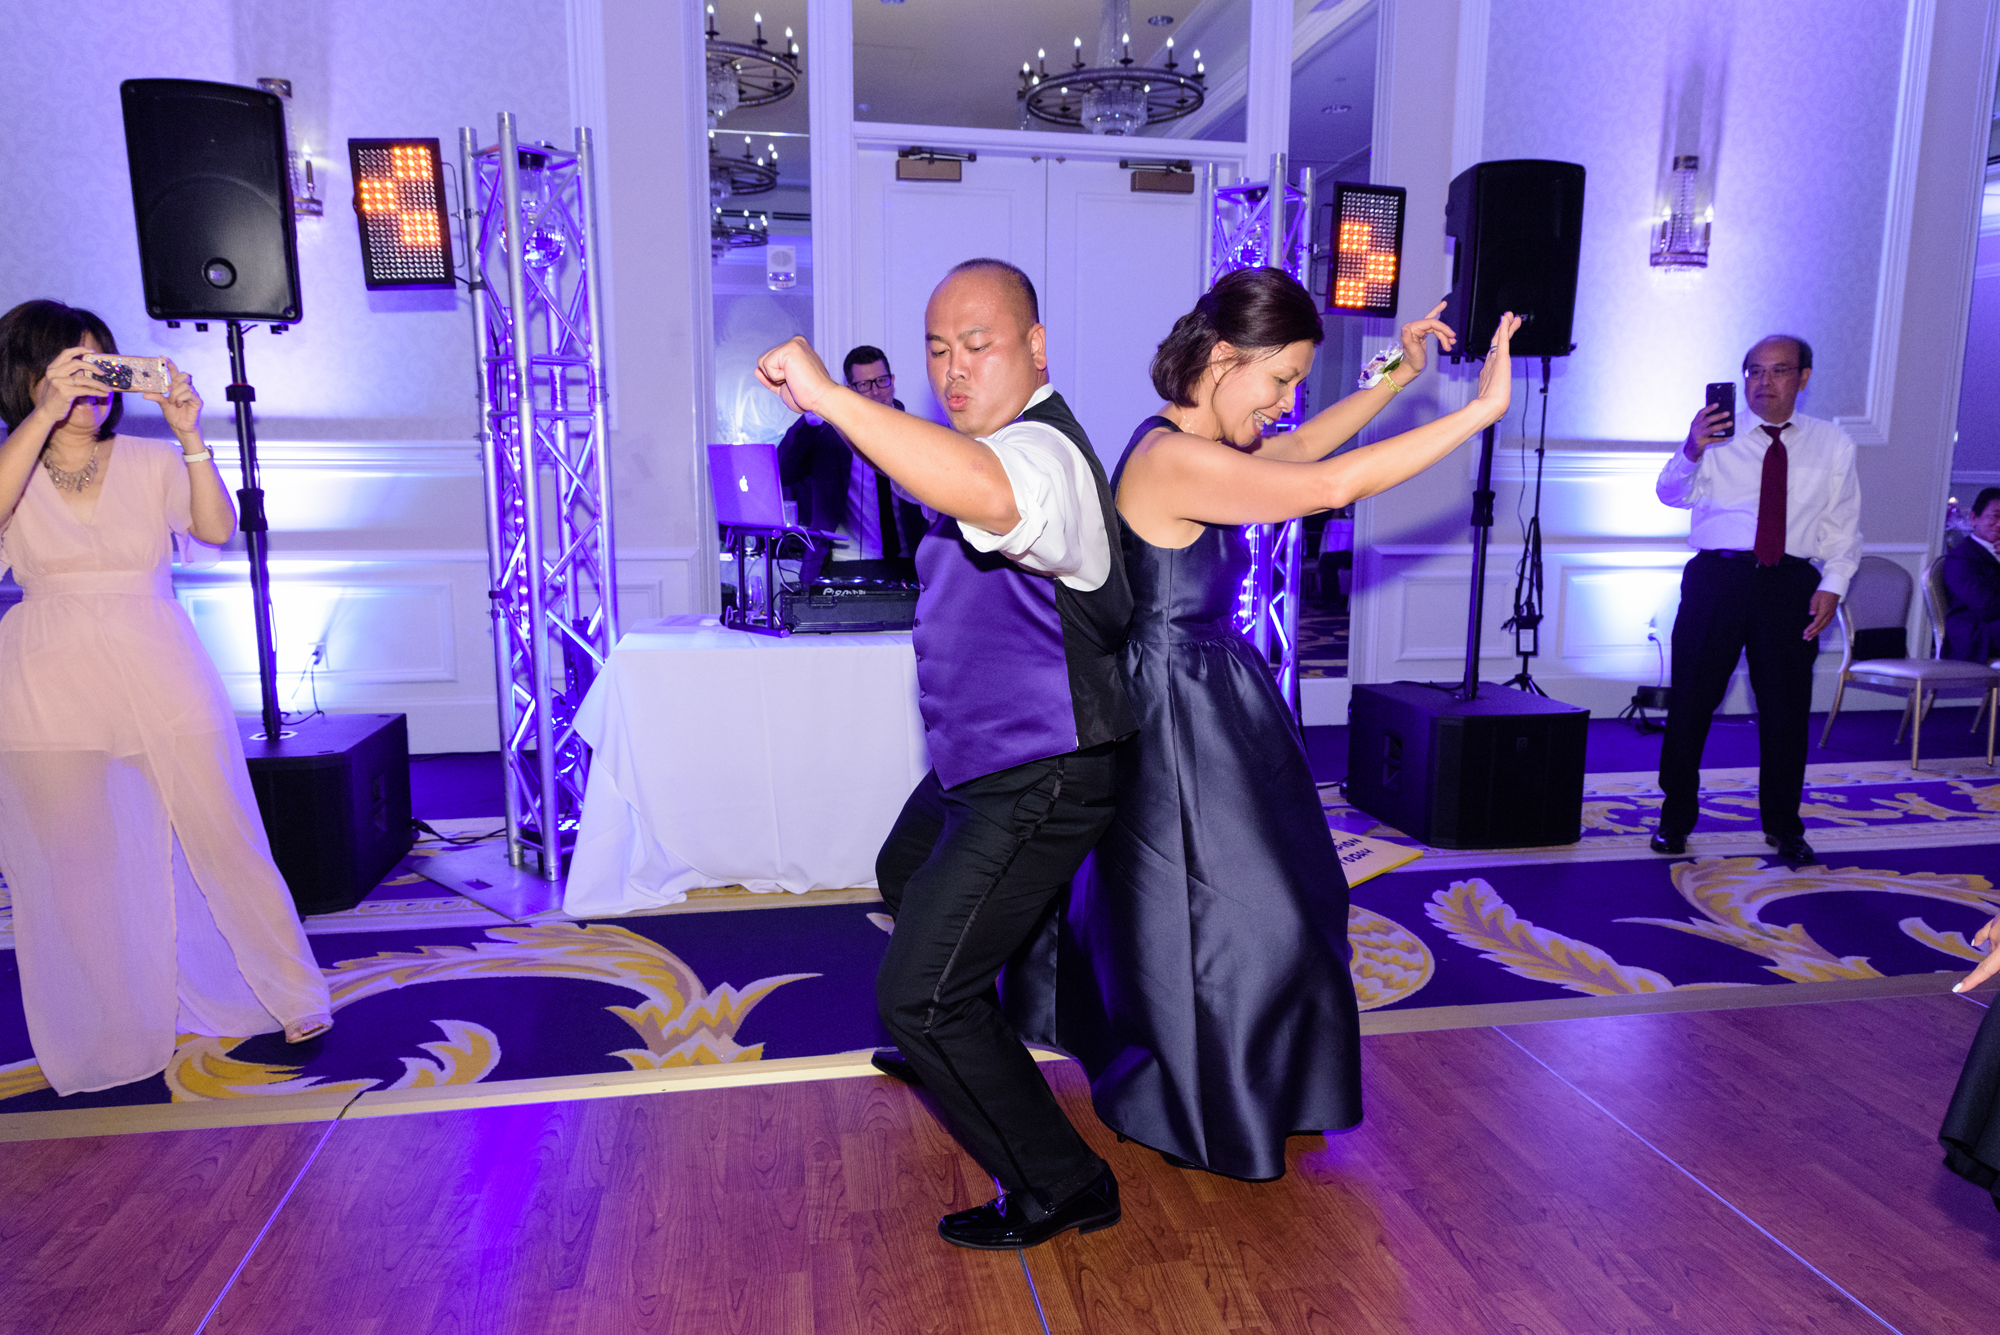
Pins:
x,y
399,202
1367,254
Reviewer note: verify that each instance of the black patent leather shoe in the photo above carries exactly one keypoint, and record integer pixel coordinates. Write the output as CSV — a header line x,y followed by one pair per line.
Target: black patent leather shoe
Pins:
x,y
1001,1226
890,1061
1673,845
1793,850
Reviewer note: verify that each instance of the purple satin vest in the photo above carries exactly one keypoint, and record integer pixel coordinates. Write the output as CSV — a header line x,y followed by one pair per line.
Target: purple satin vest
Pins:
x,y
1011,666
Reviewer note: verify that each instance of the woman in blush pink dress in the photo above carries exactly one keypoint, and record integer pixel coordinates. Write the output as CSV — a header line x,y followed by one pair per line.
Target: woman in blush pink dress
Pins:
x,y
145,901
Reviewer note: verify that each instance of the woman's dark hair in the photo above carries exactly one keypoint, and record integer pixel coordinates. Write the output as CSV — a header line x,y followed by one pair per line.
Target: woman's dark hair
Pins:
x,y
1255,311
31,336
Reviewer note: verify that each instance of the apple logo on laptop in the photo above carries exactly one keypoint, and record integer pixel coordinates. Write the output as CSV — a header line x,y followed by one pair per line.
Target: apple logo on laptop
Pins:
x,y
743,482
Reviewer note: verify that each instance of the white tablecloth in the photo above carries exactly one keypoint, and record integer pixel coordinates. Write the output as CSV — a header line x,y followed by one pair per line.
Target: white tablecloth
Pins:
x,y
726,758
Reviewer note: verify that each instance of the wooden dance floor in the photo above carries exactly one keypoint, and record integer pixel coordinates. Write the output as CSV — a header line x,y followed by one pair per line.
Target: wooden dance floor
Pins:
x,y
1763,1169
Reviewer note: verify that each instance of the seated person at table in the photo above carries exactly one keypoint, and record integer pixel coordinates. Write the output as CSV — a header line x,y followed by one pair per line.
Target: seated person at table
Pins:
x,y
1972,586
839,491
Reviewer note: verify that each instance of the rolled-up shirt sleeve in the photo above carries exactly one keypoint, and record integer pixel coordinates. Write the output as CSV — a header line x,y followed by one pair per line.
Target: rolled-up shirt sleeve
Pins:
x,y
1061,530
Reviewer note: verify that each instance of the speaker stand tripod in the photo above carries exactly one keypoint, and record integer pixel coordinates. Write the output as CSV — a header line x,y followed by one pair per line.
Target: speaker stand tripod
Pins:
x,y
1482,531
256,534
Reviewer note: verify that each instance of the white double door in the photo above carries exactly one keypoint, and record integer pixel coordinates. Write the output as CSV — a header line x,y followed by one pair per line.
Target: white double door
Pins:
x,y
1114,270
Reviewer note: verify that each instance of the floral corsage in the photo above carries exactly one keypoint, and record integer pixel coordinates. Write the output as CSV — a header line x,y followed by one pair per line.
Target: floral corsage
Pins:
x,y
1379,366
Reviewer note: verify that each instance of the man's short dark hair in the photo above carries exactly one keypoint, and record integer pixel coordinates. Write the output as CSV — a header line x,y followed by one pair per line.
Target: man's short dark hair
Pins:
x,y
861,356
1986,497
1805,349
1024,286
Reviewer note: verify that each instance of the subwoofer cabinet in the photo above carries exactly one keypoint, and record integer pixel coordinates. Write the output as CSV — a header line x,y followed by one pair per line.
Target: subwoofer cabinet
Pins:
x,y
1503,770
335,799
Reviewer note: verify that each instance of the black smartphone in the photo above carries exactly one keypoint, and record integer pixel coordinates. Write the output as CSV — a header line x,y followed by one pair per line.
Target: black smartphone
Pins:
x,y
1723,395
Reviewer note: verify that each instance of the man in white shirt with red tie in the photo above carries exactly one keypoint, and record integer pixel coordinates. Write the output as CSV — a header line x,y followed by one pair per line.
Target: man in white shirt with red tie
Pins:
x,y
1777,528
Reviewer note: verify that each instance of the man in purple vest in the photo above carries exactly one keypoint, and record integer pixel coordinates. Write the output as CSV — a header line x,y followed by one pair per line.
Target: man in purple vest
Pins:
x,y
1023,611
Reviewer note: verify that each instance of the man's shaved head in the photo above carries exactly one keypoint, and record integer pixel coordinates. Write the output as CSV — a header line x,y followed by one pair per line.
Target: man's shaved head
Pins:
x,y
984,344
1021,288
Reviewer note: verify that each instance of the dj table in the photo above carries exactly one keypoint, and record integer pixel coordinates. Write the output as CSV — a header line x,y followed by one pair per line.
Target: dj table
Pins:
x,y
722,757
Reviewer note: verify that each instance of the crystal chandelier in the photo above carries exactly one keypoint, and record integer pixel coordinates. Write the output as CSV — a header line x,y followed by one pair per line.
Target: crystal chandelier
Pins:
x,y
748,74
750,174
737,230
1116,96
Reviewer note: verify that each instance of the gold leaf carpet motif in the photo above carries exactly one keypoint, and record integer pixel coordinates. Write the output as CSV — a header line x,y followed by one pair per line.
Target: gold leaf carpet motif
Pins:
x,y
1389,963
679,1021
1731,893
1475,915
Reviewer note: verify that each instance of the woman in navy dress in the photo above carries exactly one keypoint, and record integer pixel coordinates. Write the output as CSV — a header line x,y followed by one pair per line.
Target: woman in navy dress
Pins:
x,y
1202,962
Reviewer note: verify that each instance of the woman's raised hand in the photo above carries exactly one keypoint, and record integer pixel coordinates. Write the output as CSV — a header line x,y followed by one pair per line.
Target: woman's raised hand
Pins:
x,y
180,405
1413,337
1496,378
68,378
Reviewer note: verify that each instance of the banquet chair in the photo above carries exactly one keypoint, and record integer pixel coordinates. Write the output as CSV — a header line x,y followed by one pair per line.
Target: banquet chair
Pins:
x,y
1873,619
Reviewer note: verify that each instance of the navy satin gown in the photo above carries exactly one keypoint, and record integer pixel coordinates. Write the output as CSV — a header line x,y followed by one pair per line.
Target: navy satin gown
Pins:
x,y
1199,971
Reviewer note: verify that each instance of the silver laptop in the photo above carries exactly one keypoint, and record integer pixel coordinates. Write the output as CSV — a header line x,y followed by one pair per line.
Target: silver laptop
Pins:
x,y
744,482
744,479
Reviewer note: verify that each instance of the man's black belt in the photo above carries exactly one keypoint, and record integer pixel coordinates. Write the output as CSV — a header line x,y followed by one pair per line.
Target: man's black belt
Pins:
x,y
1733,554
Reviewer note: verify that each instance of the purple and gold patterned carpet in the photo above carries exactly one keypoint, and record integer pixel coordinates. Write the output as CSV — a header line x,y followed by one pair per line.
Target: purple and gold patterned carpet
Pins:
x,y
435,992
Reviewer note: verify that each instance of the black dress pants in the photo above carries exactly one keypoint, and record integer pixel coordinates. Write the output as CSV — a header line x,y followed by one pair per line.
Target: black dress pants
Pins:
x,y
1732,607
970,873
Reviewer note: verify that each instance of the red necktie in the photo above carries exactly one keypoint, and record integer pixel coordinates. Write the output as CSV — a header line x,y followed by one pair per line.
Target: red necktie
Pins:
x,y
1770,543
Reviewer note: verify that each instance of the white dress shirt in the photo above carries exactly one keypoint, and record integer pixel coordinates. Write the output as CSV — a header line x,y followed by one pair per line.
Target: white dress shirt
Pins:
x,y
1822,495
1061,532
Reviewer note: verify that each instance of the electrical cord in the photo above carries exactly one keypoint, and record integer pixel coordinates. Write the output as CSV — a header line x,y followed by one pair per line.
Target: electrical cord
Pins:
x,y
428,829
1528,582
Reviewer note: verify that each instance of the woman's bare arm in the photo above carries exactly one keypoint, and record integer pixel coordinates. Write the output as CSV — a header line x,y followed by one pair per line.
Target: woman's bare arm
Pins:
x,y
1194,480
1335,425
212,514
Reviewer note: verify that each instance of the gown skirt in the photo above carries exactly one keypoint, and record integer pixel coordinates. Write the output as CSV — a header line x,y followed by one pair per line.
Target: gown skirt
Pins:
x,y
1199,970
144,898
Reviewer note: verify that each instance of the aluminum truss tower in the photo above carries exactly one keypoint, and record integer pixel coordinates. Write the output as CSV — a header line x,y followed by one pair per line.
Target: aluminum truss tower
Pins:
x,y
538,325
1248,225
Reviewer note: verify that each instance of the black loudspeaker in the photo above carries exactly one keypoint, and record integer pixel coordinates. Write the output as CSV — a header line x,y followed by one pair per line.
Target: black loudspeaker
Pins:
x,y
1518,229
1503,770
336,803
211,186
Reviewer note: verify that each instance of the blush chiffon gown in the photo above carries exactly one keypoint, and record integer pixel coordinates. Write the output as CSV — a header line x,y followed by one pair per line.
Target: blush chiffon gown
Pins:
x,y
1199,970
145,900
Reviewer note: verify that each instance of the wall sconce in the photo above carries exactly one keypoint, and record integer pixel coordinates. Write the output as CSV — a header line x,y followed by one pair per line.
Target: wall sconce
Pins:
x,y
1684,207
305,188
1680,238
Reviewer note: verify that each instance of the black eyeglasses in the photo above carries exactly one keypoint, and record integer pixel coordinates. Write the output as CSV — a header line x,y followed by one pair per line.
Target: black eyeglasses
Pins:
x,y
1769,372
879,382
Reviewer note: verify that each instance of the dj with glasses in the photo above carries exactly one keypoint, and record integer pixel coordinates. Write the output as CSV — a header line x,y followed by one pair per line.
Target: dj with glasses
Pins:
x,y
1776,525
838,490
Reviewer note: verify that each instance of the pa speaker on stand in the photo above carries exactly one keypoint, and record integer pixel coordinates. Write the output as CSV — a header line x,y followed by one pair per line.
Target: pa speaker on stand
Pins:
x,y
1477,766
1517,229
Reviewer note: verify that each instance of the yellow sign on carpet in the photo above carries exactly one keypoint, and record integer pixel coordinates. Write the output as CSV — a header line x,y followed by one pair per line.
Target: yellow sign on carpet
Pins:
x,y
1362,857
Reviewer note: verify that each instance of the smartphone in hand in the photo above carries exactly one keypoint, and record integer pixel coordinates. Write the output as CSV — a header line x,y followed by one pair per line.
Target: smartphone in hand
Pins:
x,y
1723,395
139,375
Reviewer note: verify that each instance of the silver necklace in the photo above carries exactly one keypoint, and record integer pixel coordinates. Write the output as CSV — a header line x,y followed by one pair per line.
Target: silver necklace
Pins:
x,y
76,481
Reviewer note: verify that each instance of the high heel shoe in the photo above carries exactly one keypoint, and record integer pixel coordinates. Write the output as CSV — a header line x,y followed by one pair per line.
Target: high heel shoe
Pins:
x,y
308,1029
